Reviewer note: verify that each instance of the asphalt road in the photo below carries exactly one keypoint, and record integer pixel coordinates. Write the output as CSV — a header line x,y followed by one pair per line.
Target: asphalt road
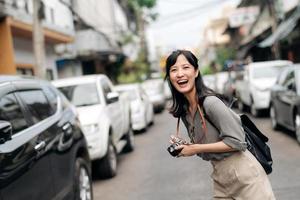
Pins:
x,y
150,173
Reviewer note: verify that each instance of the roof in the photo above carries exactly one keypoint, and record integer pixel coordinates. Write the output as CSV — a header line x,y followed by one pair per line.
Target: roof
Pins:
x,y
77,80
8,78
271,63
283,30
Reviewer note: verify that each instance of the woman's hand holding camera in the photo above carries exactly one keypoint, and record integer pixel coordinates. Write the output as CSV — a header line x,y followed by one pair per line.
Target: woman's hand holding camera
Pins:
x,y
187,150
184,148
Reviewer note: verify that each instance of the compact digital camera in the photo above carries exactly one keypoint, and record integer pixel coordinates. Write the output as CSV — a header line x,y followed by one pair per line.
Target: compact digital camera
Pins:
x,y
172,148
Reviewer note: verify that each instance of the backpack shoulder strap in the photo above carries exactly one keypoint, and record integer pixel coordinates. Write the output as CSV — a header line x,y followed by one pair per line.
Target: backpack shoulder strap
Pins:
x,y
207,117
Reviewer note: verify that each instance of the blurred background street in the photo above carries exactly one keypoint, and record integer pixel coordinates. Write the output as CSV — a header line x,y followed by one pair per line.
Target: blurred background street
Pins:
x,y
84,103
151,173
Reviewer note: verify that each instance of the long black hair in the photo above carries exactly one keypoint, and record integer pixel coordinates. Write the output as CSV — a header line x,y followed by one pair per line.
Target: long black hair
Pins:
x,y
177,108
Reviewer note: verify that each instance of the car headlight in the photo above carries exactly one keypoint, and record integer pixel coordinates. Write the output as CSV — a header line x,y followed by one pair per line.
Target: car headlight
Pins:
x,y
91,128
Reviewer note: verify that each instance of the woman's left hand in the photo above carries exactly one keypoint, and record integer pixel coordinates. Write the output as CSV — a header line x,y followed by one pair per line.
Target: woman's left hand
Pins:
x,y
187,150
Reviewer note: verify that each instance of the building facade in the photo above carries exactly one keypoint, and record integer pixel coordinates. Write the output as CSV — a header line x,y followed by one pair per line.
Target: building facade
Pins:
x,y
100,27
16,27
273,34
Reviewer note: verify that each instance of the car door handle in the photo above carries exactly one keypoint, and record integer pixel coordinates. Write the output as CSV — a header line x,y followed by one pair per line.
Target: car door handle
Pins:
x,y
40,146
67,128
68,131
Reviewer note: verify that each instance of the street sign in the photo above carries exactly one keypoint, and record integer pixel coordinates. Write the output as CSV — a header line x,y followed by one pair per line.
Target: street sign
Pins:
x,y
242,16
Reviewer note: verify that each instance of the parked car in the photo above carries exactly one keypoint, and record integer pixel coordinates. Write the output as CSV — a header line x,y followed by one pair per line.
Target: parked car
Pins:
x,y
229,87
43,152
105,126
210,81
220,79
254,90
155,90
285,100
167,91
142,114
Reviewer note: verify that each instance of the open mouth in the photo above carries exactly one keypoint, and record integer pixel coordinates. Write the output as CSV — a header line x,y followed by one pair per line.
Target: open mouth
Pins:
x,y
182,82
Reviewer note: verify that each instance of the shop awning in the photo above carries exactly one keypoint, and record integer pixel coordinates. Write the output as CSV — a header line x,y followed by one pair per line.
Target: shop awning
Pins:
x,y
283,30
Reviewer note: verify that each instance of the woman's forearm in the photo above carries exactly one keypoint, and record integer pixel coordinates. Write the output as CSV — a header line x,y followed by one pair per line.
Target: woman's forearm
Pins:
x,y
216,147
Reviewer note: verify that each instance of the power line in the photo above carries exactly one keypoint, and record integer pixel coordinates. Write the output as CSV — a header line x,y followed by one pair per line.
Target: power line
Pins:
x,y
172,22
177,17
181,2
203,6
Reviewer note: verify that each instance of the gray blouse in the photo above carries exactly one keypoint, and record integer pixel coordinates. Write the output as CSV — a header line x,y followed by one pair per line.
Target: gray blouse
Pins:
x,y
228,123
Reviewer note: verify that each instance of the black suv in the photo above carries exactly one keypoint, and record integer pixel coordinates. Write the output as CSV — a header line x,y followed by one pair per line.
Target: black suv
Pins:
x,y
43,153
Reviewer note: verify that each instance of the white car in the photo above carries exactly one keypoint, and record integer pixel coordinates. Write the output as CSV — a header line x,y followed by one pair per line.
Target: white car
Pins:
x,y
220,80
210,81
142,114
105,125
254,89
155,90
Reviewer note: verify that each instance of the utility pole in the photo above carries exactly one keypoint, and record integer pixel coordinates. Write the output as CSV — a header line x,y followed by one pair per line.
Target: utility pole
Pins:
x,y
142,35
276,46
38,39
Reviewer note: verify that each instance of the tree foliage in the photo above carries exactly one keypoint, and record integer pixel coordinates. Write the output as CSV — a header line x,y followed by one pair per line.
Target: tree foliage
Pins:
x,y
224,54
142,3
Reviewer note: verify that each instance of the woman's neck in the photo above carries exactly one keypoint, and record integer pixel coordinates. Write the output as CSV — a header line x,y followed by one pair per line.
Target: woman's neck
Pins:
x,y
192,99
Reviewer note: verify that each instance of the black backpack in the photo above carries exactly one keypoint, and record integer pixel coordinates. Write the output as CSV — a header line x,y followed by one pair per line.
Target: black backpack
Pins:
x,y
256,142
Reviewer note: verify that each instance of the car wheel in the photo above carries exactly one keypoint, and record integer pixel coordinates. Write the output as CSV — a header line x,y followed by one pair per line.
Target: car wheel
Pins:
x,y
129,141
152,120
82,181
297,127
274,122
107,166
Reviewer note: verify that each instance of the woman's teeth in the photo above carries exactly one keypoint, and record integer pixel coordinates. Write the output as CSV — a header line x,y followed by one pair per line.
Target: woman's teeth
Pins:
x,y
182,82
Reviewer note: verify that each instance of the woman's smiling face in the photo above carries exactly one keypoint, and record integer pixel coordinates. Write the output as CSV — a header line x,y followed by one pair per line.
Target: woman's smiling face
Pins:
x,y
183,75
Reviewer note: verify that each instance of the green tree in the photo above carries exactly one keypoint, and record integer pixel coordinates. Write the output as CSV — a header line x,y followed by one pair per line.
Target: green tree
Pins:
x,y
206,70
143,13
224,54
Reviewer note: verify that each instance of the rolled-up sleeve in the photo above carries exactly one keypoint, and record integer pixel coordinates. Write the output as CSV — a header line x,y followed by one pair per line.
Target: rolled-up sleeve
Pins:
x,y
227,122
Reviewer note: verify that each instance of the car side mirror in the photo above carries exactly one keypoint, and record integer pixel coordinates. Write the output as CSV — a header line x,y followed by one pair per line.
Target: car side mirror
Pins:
x,y
5,131
112,97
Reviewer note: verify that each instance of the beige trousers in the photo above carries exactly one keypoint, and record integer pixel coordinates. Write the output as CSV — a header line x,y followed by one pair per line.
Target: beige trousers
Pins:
x,y
240,177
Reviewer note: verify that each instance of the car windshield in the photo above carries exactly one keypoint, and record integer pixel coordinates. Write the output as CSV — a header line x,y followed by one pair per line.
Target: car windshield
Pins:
x,y
81,95
267,72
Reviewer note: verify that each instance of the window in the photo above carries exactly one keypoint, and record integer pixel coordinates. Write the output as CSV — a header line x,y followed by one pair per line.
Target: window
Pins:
x,y
37,104
282,76
289,79
82,94
25,71
266,72
52,15
10,111
52,97
49,74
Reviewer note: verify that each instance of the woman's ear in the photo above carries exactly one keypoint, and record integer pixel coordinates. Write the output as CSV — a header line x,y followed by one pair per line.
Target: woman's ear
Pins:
x,y
197,73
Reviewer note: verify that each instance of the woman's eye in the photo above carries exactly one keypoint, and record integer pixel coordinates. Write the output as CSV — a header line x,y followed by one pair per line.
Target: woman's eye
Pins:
x,y
172,70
